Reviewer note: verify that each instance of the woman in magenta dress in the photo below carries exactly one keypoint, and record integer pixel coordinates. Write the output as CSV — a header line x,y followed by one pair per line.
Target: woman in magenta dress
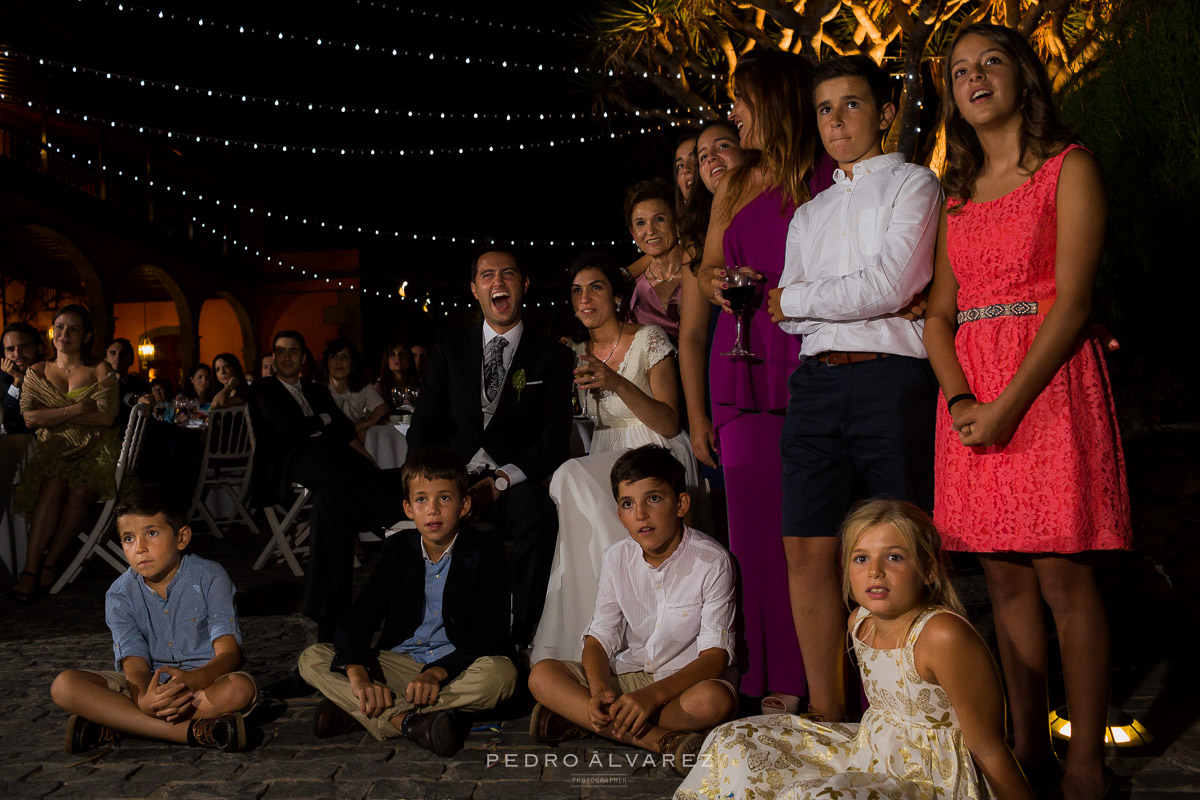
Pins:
x,y
1029,469
751,212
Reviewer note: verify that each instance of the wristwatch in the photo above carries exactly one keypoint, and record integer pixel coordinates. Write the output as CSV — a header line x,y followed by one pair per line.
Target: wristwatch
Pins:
x,y
501,481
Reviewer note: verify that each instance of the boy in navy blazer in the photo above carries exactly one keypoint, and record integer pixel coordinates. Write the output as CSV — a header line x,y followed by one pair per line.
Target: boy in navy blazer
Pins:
x,y
441,594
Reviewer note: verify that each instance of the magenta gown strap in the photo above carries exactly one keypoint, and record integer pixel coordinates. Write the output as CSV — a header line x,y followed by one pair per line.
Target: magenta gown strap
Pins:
x,y
646,309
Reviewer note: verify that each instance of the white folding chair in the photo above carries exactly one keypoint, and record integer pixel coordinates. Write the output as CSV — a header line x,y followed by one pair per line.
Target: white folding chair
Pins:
x,y
280,543
131,451
227,466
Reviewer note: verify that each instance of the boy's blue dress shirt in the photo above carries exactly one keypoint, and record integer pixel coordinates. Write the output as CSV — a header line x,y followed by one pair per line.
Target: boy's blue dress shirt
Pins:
x,y
429,641
177,631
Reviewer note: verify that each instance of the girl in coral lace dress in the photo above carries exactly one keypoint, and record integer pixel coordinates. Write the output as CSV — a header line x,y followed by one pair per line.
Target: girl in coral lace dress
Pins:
x,y
1029,469
935,727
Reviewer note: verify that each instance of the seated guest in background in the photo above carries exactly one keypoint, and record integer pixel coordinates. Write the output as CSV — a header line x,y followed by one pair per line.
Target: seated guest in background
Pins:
x,y
655,297
72,402
420,356
303,437
635,403
441,593
176,640
234,390
498,394
657,667
199,386
22,349
161,393
396,371
267,369
351,386
131,388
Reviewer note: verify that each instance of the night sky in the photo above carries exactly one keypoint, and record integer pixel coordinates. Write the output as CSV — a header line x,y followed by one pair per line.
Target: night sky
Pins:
x,y
569,192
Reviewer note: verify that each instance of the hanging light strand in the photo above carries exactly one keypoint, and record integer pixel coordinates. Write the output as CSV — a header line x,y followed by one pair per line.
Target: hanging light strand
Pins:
x,y
341,108
335,150
208,24
483,23
216,203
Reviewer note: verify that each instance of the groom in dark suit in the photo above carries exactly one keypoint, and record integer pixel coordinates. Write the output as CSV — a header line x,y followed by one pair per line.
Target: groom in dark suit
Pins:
x,y
498,394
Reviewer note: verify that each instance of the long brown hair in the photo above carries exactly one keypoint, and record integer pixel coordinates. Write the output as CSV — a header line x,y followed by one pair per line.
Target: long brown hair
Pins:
x,y
777,86
1043,134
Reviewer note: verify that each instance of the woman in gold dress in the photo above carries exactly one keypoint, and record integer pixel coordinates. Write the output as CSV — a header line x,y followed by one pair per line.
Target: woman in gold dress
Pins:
x,y
72,402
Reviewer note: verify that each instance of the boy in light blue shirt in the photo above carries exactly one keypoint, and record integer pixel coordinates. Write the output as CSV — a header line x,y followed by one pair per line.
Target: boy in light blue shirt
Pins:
x,y
176,643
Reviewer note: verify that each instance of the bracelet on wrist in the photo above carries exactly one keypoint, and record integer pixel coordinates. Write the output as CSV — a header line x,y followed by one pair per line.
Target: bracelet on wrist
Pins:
x,y
964,396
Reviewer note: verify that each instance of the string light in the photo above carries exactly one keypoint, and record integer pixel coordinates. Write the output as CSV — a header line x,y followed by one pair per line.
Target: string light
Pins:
x,y
306,105
304,271
321,41
467,20
336,150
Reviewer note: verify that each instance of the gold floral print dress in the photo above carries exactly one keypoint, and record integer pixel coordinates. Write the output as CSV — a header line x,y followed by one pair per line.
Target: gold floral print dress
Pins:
x,y
909,744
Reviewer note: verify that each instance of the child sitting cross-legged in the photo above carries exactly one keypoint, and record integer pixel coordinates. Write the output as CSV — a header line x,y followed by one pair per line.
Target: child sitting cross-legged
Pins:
x,y
175,640
658,652
441,593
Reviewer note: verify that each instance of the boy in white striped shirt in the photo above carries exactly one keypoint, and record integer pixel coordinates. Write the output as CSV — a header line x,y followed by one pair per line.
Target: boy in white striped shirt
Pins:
x,y
657,667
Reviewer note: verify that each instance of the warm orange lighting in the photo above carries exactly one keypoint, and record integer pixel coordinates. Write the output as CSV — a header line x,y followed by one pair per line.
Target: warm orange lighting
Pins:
x,y
1122,731
145,348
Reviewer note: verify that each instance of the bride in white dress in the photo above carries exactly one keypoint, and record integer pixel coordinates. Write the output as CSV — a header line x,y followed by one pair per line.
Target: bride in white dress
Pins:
x,y
630,369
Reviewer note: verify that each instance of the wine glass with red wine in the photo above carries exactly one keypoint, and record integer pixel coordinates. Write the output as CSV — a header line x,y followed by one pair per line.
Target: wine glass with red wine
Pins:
x,y
740,295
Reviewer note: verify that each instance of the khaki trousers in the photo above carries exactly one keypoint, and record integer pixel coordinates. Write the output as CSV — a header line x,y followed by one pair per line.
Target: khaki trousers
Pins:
x,y
481,686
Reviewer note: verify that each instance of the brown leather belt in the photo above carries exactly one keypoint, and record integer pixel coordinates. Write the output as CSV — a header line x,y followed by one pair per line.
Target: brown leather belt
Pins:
x,y
836,358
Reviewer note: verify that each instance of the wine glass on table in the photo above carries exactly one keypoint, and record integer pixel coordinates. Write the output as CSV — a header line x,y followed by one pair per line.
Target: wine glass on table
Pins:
x,y
740,295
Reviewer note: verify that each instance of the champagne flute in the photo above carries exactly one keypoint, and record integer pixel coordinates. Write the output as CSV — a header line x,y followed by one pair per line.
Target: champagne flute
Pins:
x,y
584,394
740,295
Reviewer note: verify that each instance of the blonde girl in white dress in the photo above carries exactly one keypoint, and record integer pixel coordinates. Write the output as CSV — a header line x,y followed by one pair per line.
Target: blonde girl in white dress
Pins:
x,y
935,727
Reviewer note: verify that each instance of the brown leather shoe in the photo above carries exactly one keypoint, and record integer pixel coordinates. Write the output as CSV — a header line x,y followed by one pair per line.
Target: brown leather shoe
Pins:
x,y
330,720
683,747
549,727
441,732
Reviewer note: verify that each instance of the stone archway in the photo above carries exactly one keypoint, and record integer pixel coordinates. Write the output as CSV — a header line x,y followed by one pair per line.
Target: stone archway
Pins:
x,y
189,335
47,249
249,342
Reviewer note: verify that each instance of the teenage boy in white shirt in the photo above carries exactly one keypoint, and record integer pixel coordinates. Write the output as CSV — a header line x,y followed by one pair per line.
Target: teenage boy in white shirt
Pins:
x,y
860,422
658,652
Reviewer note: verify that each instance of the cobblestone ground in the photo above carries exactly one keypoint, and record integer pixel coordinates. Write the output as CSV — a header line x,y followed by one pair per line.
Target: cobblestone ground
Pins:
x,y
1151,680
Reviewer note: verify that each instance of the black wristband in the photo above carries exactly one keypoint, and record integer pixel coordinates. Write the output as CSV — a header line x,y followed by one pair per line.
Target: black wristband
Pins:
x,y
964,396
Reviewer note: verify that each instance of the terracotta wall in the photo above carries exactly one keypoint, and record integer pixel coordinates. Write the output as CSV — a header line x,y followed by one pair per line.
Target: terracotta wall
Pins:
x,y
220,331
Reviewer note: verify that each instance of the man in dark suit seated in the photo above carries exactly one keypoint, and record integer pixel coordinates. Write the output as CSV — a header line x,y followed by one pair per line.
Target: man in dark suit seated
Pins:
x,y
499,395
302,437
132,388
508,416
22,349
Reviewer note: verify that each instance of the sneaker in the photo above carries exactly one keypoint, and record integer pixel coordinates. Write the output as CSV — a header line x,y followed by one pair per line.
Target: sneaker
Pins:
x,y
682,746
548,727
84,735
226,732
